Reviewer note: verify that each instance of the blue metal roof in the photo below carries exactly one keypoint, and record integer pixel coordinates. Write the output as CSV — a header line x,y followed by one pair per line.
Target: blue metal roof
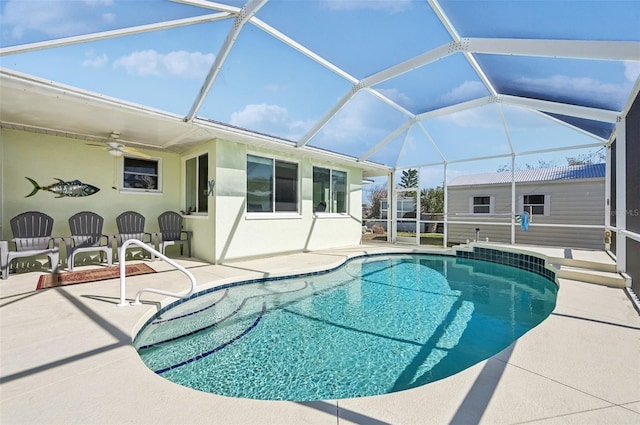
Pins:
x,y
574,172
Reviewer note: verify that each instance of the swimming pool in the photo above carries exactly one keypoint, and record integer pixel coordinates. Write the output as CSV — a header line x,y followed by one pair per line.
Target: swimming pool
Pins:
x,y
377,324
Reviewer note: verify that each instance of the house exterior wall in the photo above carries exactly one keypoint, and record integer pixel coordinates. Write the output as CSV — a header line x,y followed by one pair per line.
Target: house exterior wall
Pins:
x,y
202,225
240,235
45,157
225,232
574,202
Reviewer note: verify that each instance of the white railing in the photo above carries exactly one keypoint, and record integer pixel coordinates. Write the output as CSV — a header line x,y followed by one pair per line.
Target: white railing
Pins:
x,y
143,245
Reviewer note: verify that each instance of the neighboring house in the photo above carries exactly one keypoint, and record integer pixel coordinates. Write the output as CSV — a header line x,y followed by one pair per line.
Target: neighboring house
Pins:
x,y
554,198
240,200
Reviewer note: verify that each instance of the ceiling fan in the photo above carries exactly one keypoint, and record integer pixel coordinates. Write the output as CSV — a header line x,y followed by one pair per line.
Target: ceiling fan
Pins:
x,y
116,148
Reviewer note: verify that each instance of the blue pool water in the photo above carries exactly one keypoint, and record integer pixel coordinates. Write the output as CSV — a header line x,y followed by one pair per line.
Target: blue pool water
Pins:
x,y
376,325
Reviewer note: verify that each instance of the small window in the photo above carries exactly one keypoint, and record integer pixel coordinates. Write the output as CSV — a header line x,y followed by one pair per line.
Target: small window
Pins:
x,y
329,191
272,185
196,179
141,174
481,205
534,204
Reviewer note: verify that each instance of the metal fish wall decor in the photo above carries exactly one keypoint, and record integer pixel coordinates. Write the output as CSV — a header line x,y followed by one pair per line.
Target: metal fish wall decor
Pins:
x,y
73,188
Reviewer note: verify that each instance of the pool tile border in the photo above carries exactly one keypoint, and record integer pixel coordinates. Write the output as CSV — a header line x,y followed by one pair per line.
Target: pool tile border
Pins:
x,y
531,263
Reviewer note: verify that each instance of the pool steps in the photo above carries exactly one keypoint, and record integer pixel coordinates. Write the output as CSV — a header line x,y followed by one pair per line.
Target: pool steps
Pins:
x,y
590,275
597,267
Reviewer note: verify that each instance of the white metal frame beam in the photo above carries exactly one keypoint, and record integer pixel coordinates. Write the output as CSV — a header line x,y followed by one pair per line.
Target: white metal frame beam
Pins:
x,y
444,19
410,64
447,110
536,106
585,112
210,5
547,48
433,143
66,41
595,114
250,9
386,140
302,49
576,49
402,148
325,119
506,155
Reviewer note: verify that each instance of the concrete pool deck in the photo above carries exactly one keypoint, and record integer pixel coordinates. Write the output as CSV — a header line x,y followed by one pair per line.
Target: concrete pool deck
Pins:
x,y
66,358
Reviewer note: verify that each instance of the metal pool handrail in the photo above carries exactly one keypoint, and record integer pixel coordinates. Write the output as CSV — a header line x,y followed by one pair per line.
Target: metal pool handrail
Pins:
x,y
146,247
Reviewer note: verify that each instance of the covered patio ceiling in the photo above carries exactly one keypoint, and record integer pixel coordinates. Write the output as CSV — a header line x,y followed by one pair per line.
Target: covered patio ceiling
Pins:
x,y
393,84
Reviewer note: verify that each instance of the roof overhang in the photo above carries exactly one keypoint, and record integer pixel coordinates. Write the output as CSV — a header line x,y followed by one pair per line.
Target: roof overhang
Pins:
x,y
33,104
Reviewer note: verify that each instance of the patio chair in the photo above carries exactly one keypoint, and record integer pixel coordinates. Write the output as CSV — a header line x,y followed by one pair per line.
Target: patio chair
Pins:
x,y
131,226
31,238
86,236
171,232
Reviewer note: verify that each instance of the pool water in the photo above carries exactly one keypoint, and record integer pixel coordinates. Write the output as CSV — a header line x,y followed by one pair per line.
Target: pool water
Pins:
x,y
376,325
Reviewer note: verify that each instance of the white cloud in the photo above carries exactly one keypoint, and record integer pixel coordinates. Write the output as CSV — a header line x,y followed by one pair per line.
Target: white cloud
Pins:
x,y
54,18
465,91
95,61
270,119
398,97
563,85
255,116
631,71
482,117
108,18
392,6
350,123
362,123
179,63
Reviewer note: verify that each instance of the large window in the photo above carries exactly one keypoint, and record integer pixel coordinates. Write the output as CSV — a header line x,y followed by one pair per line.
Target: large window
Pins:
x,y
197,189
481,204
535,204
272,185
329,190
141,174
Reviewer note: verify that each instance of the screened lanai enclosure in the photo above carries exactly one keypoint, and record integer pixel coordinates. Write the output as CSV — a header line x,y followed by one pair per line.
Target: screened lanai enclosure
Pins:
x,y
451,108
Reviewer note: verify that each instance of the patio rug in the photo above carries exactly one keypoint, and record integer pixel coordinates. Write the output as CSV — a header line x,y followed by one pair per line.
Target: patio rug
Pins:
x,y
52,280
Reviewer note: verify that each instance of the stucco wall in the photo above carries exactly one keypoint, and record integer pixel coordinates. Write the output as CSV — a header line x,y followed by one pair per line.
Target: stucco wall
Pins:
x,y
225,232
202,225
241,235
45,158
575,202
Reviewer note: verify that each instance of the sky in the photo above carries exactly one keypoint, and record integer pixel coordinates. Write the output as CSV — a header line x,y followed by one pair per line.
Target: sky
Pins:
x,y
268,86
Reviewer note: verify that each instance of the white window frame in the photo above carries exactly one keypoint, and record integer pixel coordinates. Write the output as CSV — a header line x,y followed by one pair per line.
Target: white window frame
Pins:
x,y
157,190
492,203
275,214
327,212
184,198
547,203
